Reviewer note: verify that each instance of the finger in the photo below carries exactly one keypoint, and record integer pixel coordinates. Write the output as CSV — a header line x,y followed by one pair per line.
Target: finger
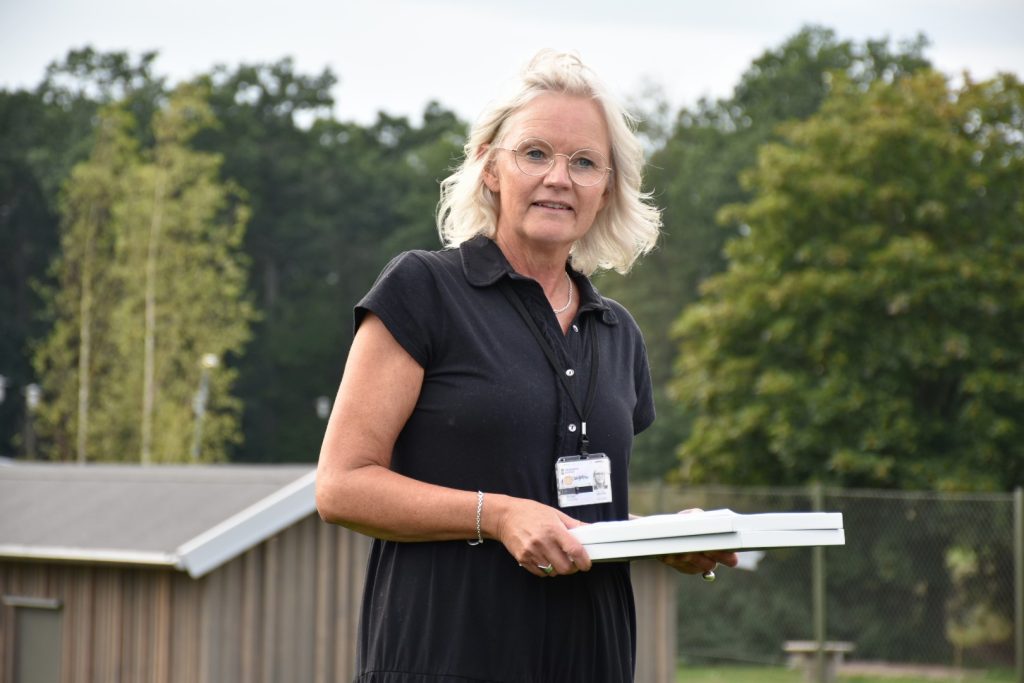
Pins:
x,y
577,554
560,561
573,563
690,563
581,559
538,569
564,552
569,522
680,564
728,558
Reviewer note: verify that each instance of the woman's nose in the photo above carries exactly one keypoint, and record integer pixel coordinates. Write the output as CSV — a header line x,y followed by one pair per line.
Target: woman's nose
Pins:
x,y
558,174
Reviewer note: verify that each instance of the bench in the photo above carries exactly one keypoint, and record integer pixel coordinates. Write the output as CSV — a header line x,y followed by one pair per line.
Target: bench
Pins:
x,y
804,654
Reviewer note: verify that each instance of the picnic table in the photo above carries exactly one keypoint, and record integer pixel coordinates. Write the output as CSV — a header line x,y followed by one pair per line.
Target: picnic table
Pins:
x,y
804,654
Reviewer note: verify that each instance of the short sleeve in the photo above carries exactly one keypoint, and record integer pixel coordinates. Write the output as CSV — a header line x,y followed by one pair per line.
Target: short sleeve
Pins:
x,y
643,410
405,298
643,413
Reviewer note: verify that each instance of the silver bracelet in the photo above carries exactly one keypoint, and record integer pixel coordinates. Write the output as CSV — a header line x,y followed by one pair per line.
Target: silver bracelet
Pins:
x,y
479,512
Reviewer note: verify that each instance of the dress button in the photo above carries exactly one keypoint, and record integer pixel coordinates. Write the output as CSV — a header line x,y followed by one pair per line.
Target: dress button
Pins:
x,y
572,428
570,372
575,328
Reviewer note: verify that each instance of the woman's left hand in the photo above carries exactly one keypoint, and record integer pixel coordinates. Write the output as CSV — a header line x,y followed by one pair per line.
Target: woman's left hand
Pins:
x,y
700,563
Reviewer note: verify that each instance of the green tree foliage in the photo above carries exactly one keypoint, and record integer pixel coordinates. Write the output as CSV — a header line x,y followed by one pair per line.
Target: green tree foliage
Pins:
x,y
330,200
695,172
28,235
150,279
867,330
43,133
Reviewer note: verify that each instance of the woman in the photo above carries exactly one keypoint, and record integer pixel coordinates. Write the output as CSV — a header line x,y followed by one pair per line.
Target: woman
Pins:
x,y
487,385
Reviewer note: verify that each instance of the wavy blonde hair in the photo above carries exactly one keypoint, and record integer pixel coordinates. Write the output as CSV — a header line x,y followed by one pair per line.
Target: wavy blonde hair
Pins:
x,y
628,225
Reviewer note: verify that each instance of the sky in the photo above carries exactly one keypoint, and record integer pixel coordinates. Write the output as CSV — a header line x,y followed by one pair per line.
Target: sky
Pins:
x,y
396,55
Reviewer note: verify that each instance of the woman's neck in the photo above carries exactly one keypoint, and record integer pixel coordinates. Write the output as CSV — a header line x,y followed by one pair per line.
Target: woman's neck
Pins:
x,y
547,268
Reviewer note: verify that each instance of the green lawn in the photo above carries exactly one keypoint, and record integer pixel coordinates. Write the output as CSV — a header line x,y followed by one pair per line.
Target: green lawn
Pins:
x,y
737,674
752,674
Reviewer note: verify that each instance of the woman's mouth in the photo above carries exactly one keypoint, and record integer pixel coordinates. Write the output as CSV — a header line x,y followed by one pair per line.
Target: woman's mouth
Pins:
x,y
557,206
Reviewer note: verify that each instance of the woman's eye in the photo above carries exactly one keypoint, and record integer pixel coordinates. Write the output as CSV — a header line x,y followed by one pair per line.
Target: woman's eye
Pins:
x,y
585,162
535,154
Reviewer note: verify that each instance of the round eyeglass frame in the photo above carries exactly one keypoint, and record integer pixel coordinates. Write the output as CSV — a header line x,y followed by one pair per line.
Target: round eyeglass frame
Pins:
x,y
606,170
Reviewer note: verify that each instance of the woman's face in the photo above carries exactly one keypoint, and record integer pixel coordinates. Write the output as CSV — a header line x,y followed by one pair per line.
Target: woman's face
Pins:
x,y
549,211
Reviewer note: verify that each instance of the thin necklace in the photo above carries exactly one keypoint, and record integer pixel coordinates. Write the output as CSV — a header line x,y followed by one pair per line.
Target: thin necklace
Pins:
x,y
563,309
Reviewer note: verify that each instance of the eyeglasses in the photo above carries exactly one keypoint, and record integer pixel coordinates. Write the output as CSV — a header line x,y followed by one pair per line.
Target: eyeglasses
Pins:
x,y
535,157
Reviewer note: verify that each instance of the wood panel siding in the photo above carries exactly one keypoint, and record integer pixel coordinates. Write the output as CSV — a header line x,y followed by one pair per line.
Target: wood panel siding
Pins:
x,y
286,609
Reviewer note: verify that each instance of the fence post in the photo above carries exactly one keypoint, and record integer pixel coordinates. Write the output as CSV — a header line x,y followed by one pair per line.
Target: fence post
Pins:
x,y
818,598
1018,580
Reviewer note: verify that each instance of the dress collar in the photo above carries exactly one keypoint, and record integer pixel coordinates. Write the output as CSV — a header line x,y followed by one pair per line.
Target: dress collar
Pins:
x,y
483,264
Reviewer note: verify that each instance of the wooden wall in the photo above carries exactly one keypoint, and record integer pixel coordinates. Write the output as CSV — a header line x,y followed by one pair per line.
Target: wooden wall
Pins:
x,y
287,610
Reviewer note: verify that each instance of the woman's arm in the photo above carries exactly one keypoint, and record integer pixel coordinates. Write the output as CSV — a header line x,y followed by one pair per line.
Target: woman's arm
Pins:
x,y
355,486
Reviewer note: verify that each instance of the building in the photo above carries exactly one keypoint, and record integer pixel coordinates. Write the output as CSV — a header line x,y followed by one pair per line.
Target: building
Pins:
x,y
199,574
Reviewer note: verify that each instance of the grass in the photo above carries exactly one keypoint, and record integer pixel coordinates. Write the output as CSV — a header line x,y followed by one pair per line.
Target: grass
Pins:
x,y
737,674
759,674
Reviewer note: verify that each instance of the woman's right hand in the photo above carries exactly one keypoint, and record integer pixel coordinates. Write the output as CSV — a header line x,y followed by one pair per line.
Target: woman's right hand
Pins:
x,y
537,536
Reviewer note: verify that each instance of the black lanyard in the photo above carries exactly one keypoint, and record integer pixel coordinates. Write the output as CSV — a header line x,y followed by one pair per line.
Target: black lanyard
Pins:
x,y
588,403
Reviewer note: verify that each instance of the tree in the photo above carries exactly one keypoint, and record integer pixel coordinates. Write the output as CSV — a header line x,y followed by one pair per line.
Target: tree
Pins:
x,y
152,280
696,172
84,287
43,134
866,331
28,231
330,200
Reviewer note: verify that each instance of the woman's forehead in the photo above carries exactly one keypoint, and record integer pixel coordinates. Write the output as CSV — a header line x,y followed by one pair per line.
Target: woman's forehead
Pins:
x,y
562,120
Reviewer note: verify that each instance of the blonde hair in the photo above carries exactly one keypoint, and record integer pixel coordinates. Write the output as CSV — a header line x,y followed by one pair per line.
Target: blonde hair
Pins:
x,y
628,225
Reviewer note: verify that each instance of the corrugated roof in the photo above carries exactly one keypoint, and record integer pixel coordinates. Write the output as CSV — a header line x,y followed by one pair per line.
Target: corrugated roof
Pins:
x,y
192,517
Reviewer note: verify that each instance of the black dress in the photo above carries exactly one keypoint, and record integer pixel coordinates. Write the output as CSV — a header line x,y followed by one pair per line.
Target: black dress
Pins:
x,y
492,416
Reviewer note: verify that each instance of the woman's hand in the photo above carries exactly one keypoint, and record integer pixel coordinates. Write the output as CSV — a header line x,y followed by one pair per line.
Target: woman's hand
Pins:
x,y
699,563
537,536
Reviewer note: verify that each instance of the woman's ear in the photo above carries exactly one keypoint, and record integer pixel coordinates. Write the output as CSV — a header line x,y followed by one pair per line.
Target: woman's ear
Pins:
x,y
489,177
605,196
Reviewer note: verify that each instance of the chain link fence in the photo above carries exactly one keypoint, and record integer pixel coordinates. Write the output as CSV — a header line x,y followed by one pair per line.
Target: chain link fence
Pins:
x,y
924,578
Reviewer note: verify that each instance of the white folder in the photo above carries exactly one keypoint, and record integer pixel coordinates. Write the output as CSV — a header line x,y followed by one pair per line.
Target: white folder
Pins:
x,y
708,530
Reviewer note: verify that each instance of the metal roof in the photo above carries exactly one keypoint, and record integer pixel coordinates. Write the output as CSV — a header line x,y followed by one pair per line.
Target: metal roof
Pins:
x,y
190,517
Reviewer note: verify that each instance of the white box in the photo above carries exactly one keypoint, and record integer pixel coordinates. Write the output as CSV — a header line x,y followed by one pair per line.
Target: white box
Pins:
x,y
709,530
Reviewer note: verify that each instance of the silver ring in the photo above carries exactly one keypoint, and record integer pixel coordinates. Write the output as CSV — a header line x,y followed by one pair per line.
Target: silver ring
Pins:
x,y
548,569
709,575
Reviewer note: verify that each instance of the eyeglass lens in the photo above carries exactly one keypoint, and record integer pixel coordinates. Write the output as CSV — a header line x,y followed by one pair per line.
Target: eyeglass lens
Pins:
x,y
536,157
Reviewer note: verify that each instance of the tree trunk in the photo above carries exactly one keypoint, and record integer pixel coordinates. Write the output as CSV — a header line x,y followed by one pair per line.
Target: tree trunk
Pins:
x,y
85,339
149,360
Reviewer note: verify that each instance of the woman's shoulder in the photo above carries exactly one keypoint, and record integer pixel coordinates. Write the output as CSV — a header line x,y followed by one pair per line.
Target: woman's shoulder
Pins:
x,y
417,267
423,261
619,312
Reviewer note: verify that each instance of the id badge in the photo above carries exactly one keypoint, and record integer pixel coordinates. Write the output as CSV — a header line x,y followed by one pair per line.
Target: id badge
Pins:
x,y
583,480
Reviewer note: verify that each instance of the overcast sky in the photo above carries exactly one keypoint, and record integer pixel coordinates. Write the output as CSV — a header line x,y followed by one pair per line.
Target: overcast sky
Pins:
x,y
395,55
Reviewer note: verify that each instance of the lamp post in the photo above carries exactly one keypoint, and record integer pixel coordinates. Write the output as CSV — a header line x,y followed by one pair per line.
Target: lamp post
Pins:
x,y
33,397
208,362
323,407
